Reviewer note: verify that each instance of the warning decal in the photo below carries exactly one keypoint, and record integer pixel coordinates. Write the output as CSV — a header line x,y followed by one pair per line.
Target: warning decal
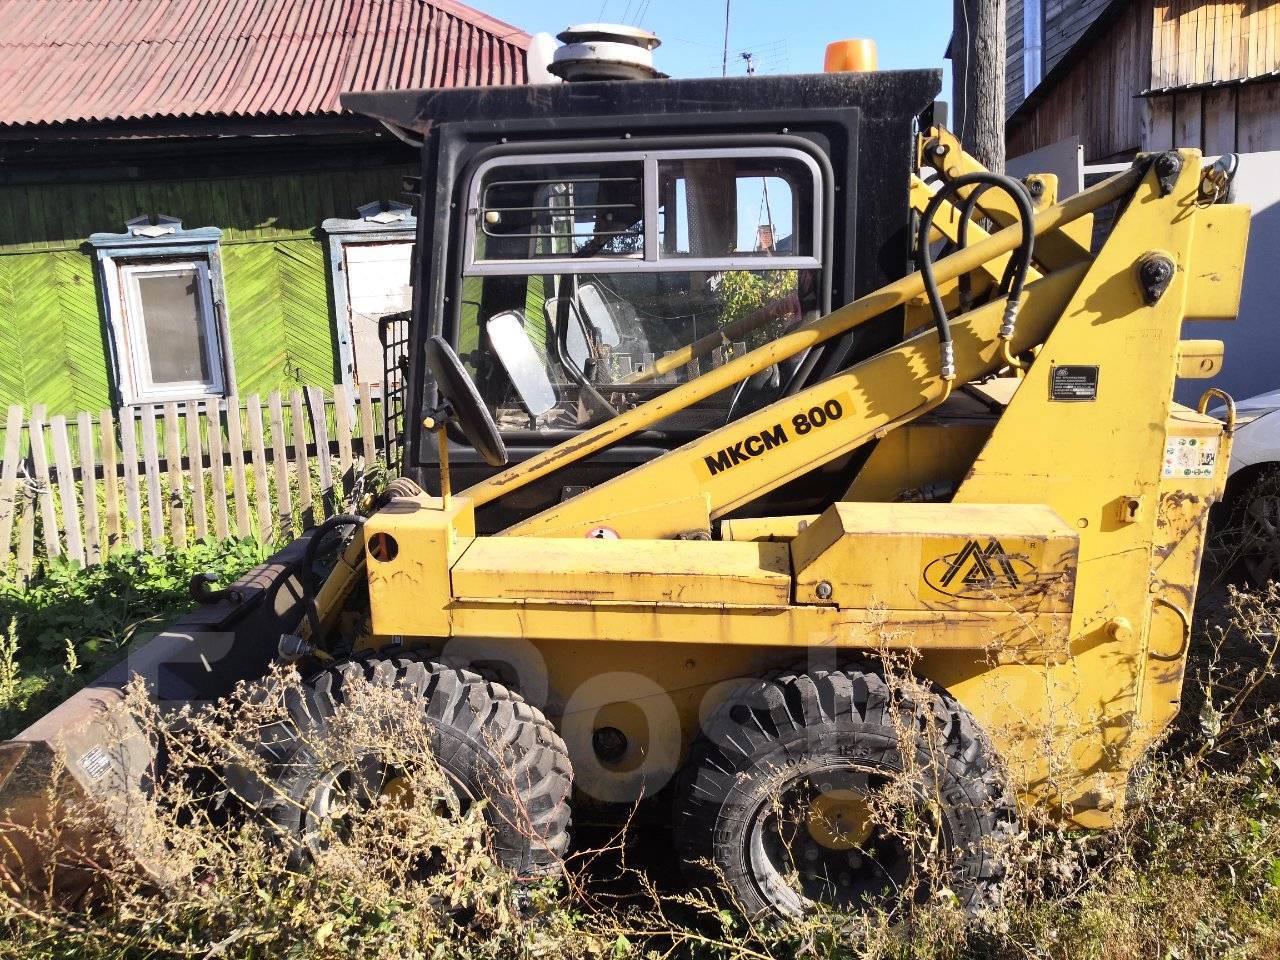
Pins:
x,y
1193,457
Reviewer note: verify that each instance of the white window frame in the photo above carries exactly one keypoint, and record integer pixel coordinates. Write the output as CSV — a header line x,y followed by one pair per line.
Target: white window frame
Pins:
x,y
143,387
649,261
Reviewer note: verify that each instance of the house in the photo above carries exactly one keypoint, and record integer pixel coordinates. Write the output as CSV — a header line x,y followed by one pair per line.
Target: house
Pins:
x,y
185,210
1123,76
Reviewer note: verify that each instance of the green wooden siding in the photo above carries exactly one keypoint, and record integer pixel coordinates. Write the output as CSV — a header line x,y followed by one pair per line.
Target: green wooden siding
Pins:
x,y
278,306
49,325
275,273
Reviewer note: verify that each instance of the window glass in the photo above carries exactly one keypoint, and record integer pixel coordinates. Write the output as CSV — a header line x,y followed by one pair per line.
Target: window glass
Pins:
x,y
600,339
579,210
734,207
171,333
171,308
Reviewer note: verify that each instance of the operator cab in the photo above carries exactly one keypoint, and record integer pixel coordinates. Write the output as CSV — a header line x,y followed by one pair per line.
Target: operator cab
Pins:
x,y
574,292
585,247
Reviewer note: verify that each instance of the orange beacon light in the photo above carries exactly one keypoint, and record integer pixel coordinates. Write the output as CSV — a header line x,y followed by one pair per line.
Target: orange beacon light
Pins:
x,y
851,56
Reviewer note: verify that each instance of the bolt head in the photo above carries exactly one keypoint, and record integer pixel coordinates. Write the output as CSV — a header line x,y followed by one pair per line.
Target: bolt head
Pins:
x,y
609,743
823,590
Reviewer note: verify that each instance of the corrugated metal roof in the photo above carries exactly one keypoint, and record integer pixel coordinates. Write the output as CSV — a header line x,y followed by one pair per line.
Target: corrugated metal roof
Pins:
x,y
66,61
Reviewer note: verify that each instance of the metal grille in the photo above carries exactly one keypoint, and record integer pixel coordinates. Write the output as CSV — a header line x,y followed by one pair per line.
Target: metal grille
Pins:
x,y
393,331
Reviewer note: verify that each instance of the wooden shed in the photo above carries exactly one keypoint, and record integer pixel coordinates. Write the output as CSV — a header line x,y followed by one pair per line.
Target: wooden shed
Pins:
x,y
1130,75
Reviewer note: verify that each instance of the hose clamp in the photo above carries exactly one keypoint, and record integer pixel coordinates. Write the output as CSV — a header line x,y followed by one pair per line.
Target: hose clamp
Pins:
x,y
947,358
1010,319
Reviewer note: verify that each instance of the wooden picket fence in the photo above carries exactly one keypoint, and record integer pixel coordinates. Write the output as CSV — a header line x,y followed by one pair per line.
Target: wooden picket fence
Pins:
x,y
157,477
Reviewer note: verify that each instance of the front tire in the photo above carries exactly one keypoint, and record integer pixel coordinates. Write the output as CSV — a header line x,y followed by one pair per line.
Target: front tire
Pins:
x,y
487,741
829,787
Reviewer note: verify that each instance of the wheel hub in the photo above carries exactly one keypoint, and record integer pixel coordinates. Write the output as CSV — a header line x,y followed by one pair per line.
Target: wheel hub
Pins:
x,y
839,820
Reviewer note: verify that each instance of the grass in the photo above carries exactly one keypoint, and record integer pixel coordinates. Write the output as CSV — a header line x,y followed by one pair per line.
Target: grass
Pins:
x,y
1192,873
70,623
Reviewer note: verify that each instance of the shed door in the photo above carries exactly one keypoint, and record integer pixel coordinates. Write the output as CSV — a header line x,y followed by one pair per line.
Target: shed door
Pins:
x,y
377,284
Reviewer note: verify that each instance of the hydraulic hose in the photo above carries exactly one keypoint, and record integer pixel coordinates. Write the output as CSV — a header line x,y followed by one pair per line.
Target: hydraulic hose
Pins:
x,y
1014,279
302,569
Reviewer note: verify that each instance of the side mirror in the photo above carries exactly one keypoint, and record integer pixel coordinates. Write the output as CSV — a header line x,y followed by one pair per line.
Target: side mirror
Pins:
x,y
599,314
575,337
520,360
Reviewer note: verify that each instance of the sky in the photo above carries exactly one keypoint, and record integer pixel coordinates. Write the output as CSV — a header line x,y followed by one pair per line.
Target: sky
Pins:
x,y
785,36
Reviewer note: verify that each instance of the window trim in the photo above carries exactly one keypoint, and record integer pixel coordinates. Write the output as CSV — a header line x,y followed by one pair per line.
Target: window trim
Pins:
x,y
378,221
651,261
161,239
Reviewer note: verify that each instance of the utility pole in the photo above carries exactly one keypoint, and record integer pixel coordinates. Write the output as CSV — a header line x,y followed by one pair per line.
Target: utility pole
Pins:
x,y
977,79
724,62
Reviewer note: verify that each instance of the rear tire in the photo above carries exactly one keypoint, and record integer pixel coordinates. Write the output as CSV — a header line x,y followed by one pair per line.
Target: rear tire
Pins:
x,y
487,741
775,799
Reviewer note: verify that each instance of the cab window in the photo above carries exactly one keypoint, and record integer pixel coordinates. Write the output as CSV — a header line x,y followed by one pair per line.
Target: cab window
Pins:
x,y
594,284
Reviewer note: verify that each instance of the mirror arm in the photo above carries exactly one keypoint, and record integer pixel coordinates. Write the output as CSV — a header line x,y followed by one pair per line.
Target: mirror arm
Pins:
x,y
437,420
560,342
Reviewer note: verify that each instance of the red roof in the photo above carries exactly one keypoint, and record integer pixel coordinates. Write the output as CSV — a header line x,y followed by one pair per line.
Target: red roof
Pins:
x,y
63,61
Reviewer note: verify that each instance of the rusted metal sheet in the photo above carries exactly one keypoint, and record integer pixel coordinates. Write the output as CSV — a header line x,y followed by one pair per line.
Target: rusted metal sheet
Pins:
x,y
101,60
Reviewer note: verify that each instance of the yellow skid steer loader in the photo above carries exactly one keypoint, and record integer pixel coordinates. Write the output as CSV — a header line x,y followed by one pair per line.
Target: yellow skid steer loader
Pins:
x,y
736,397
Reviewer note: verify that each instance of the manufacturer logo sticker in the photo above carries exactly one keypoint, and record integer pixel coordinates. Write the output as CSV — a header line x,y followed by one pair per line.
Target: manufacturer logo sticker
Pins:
x,y
980,570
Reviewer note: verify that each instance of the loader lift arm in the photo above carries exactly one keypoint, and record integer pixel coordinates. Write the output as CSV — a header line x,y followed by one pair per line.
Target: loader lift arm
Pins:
x,y
872,397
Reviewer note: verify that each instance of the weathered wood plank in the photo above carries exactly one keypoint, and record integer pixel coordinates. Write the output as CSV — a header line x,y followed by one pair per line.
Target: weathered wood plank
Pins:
x,y
9,476
173,458
320,428
40,463
298,433
132,488
26,532
67,490
111,532
1157,131
217,471
235,446
151,466
261,488
1258,118
368,433
280,461
195,458
1188,115
342,425
89,484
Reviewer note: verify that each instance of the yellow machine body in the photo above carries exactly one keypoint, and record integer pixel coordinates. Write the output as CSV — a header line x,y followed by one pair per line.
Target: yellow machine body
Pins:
x,y
1048,586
